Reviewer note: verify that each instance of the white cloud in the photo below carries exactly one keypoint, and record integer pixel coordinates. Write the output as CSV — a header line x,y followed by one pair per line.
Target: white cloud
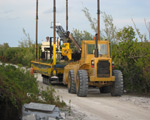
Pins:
x,y
16,14
123,22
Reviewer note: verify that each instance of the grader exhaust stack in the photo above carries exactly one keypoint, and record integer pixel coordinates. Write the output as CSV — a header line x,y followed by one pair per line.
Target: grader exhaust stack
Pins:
x,y
97,36
96,46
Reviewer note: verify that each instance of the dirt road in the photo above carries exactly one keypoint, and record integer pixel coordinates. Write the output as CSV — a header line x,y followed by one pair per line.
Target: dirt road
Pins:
x,y
98,106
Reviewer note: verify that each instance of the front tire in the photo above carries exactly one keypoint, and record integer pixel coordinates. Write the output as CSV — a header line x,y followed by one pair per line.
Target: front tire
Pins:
x,y
71,82
82,83
117,87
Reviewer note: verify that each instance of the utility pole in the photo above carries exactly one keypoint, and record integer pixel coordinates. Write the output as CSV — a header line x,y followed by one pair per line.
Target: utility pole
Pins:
x,y
54,20
66,15
54,31
98,18
36,45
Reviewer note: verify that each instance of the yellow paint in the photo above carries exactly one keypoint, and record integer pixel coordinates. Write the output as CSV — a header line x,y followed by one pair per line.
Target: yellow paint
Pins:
x,y
94,76
47,70
66,51
54,54
54,72
60,70
100,84
94,79
85,63
71,66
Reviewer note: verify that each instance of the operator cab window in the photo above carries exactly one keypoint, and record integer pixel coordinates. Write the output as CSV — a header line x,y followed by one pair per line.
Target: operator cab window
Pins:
x,y
102,49
90,48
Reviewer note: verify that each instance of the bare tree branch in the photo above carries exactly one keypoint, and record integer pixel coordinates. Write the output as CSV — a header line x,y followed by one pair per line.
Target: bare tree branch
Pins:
x,y
93,22
147,27
137,30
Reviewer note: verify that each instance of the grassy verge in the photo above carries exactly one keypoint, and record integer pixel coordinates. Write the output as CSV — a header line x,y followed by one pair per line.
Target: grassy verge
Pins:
x,y
17,87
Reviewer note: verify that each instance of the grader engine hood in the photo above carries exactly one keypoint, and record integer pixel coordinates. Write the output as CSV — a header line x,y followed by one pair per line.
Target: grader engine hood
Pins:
x,y
102,67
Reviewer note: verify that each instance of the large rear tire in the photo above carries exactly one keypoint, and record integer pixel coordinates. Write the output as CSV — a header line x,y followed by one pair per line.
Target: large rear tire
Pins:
x,y
117,87
71,82
82,83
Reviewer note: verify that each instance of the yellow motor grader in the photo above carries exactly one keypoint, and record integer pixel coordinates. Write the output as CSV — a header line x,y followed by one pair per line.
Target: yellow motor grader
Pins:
x,y
93,69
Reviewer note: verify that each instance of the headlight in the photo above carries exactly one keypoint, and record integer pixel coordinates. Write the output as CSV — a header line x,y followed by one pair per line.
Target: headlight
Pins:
x,y
92,63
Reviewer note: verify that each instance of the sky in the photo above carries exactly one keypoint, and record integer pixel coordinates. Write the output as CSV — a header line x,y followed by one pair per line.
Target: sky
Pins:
x,y
18,14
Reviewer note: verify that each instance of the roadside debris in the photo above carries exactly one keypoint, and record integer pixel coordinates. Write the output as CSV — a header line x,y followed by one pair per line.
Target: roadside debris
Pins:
x,y
36,111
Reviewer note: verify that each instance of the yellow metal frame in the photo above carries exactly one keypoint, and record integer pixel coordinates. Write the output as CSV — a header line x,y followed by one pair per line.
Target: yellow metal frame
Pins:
x,y
45,68
94,76
54,54
54,59
66,51
42,68
85,63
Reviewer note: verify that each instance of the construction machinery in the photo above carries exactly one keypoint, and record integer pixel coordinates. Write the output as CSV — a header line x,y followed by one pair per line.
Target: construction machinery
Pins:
x,y
93,69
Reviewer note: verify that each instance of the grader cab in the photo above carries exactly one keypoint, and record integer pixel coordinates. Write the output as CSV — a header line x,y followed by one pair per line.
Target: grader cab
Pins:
x,y
94,69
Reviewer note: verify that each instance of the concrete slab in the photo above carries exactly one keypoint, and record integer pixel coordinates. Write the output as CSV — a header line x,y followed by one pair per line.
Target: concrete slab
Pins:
x,y
29,117
39,107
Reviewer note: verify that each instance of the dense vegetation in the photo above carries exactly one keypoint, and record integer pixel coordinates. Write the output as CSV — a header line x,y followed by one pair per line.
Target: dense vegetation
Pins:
x,y
17,87
17,55
130,52
22,54
133,59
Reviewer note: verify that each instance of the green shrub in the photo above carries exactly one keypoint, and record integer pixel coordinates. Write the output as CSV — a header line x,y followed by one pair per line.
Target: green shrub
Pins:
x,y
17,87
133,58
17,55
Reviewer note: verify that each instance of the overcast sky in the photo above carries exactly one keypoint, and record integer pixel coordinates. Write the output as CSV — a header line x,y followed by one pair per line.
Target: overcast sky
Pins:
x,y
18,14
